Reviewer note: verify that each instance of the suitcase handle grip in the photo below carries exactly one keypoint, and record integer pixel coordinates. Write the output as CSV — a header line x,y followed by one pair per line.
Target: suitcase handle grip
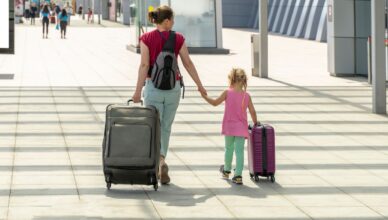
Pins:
x,y
131,100
254,125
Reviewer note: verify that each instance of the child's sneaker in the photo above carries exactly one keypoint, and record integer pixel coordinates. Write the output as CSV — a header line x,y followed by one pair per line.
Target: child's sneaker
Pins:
x,y
225,174
237,180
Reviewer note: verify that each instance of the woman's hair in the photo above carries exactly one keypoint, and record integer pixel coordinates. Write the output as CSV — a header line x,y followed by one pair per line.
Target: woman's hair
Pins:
x,y
64,13
238,76
160,14
45,9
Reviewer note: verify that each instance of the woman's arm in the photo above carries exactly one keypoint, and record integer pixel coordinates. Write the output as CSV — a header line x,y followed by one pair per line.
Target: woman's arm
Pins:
x,y
252,111
143,71
215,102
189,66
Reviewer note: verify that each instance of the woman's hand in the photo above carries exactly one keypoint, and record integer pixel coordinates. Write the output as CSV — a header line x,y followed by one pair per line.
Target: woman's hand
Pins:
x,y
202,90
136,97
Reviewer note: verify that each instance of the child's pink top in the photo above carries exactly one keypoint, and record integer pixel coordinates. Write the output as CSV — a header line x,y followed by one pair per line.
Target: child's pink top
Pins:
x,y
235,121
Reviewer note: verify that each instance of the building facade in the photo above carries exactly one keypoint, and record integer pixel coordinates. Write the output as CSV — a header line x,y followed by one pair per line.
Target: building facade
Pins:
x,y
295,18
203,16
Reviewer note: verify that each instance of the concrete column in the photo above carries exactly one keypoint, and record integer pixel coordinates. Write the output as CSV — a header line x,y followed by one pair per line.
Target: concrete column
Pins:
x,y
263,27
378,57
100,14
218,8
341,38
83,9
126,12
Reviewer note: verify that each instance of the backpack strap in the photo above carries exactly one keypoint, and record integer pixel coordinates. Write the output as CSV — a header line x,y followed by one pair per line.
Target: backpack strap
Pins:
x,y
170,46
170,43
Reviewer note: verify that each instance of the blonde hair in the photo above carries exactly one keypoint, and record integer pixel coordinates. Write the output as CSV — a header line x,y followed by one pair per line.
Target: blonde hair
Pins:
x,y
235,78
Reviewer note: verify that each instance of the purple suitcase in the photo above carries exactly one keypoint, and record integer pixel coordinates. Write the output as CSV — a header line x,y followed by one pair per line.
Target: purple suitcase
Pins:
x,y
261,152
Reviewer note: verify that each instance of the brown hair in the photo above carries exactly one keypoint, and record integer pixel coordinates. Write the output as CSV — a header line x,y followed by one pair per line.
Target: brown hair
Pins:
x,y
160,14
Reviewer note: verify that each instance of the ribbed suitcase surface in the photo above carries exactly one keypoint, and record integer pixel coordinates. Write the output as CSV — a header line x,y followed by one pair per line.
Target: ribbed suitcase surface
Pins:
x,y
261,152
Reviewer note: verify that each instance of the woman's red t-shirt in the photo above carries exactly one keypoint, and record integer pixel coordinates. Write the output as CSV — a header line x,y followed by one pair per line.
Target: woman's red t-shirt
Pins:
x,y
154,41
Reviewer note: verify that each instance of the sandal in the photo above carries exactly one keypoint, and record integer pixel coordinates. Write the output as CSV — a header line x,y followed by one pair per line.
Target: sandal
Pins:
x,y
237,180
225,174
164,178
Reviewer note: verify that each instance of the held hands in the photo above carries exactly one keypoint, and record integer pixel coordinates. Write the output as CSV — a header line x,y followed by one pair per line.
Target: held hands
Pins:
x,y
204,96
203,91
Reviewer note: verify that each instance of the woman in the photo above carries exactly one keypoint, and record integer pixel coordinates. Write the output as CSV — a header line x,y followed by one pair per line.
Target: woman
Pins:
x,y
27,11
80,10
45,14
63,18
166,101
34,9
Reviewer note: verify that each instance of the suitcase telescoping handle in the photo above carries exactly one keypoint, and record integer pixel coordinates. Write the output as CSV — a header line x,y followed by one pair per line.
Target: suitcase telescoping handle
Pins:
x,y
131,100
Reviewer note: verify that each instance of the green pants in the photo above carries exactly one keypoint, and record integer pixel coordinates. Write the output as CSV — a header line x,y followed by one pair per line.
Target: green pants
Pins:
x,y
234,144
166,101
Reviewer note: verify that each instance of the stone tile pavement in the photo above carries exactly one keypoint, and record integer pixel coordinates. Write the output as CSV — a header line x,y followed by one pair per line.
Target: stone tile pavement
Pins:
x,y
77,21
332,154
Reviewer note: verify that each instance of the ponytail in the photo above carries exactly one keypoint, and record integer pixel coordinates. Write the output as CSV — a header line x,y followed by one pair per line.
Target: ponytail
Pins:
x,y
160,14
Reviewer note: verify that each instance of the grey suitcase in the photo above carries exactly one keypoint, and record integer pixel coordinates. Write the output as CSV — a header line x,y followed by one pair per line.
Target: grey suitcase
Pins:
x,y
131,145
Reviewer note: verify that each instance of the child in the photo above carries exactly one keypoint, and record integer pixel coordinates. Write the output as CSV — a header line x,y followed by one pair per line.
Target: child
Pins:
x,y
235,123
90,18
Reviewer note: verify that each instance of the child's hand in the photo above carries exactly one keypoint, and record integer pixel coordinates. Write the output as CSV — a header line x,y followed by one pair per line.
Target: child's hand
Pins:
x,y
202,90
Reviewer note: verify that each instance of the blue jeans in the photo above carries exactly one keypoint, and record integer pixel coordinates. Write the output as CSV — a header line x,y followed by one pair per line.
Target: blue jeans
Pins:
x,y
167,102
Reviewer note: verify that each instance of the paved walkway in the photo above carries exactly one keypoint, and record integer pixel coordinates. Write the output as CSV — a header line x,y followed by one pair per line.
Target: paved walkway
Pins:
x,y
77,21
332,154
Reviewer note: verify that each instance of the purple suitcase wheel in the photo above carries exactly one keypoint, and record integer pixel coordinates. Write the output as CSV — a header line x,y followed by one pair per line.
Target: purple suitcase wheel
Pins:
x,y
257,178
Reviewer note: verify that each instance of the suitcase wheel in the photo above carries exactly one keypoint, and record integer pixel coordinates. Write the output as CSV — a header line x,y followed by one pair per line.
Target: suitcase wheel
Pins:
x,y
108,182
257,178
272,178
156,186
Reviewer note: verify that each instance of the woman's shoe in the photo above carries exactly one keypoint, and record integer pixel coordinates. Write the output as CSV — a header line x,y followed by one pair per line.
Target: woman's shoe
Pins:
x,y
164,178
225,174
237,180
